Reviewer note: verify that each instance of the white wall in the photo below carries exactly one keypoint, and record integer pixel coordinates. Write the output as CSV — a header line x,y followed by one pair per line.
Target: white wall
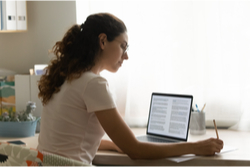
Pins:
x,y
47,23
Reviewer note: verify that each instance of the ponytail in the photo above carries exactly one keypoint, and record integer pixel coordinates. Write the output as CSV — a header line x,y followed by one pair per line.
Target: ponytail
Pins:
x,y
77,52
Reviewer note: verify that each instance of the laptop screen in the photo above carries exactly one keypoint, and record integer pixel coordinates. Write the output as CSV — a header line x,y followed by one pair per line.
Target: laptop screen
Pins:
x,y
169,115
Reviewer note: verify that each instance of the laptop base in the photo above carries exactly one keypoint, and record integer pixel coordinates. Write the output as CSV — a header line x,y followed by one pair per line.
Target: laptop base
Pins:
x,y
147,138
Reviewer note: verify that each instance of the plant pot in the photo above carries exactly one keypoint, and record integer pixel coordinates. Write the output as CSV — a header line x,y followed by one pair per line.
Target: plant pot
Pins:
x,y
18,129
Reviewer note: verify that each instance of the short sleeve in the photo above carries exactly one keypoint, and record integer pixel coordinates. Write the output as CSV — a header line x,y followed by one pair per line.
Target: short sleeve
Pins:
x,y
97,95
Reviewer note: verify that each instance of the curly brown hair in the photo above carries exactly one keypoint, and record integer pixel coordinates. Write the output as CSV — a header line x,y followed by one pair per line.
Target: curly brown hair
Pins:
x,y
77,52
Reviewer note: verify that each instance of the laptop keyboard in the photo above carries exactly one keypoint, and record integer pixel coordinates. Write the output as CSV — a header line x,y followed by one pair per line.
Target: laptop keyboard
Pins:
x,y
153,139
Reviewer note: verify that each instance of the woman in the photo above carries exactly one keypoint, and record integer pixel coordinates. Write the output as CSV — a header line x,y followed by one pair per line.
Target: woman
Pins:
x,y
78,105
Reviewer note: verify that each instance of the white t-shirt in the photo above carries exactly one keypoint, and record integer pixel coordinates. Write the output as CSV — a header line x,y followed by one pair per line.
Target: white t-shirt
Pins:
x,y
69,126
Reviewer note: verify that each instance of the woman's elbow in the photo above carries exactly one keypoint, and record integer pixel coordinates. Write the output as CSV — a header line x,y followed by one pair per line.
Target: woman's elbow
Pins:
x,y
134,156
135,152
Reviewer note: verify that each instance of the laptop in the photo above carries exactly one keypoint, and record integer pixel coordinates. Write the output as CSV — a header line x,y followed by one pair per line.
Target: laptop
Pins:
x,y
169,117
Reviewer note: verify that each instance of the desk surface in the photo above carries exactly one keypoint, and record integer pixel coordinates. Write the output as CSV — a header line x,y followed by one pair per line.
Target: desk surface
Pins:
x,y
237,139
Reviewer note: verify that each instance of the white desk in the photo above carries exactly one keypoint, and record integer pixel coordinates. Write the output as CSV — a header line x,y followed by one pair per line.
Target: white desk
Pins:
x,y
239,157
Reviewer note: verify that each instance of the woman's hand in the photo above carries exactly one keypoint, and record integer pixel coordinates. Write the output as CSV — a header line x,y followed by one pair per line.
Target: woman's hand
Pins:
x,y
109,145
208,146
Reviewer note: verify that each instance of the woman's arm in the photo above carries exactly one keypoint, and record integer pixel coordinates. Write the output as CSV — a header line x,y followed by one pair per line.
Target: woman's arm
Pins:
x,y
123,137
108,145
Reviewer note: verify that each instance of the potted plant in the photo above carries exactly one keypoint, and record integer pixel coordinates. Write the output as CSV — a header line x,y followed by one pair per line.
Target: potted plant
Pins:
x,y
19,124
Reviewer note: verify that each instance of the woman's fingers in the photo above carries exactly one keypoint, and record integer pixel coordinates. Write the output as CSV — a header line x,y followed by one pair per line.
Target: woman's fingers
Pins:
x,y
210,146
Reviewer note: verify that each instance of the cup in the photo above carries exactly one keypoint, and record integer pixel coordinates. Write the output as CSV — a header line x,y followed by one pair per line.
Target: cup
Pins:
x,y
197,123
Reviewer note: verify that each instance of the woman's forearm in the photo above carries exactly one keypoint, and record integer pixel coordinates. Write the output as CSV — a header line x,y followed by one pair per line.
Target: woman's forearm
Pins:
x,y
108,145
123,137
156,150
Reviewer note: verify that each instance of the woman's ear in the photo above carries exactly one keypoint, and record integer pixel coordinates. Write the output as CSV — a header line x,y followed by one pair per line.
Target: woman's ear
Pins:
x,y
102,40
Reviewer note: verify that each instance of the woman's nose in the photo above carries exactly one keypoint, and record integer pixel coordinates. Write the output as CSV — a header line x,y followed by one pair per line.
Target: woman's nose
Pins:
x,y
125,56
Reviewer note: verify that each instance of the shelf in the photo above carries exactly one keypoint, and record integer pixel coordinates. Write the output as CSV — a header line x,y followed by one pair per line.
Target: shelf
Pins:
x,y
12,31
17,9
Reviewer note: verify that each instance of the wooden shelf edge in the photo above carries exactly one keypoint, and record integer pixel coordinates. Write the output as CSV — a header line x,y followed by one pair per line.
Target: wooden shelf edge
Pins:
x,y
12,31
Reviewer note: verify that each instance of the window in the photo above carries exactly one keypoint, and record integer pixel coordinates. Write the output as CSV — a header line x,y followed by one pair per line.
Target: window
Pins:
x,y
186,47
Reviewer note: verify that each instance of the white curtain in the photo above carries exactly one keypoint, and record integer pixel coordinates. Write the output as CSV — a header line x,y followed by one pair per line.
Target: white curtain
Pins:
x,y
186,47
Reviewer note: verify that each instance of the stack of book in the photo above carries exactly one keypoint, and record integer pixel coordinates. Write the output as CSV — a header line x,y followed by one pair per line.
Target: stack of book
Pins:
x,y
13,15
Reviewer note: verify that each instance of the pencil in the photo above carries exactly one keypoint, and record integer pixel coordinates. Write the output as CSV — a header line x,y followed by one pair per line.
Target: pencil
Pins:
x,y
215,127
203,107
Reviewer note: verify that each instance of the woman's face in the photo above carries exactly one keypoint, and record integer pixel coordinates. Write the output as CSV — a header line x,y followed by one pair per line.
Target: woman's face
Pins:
x,y
114,53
